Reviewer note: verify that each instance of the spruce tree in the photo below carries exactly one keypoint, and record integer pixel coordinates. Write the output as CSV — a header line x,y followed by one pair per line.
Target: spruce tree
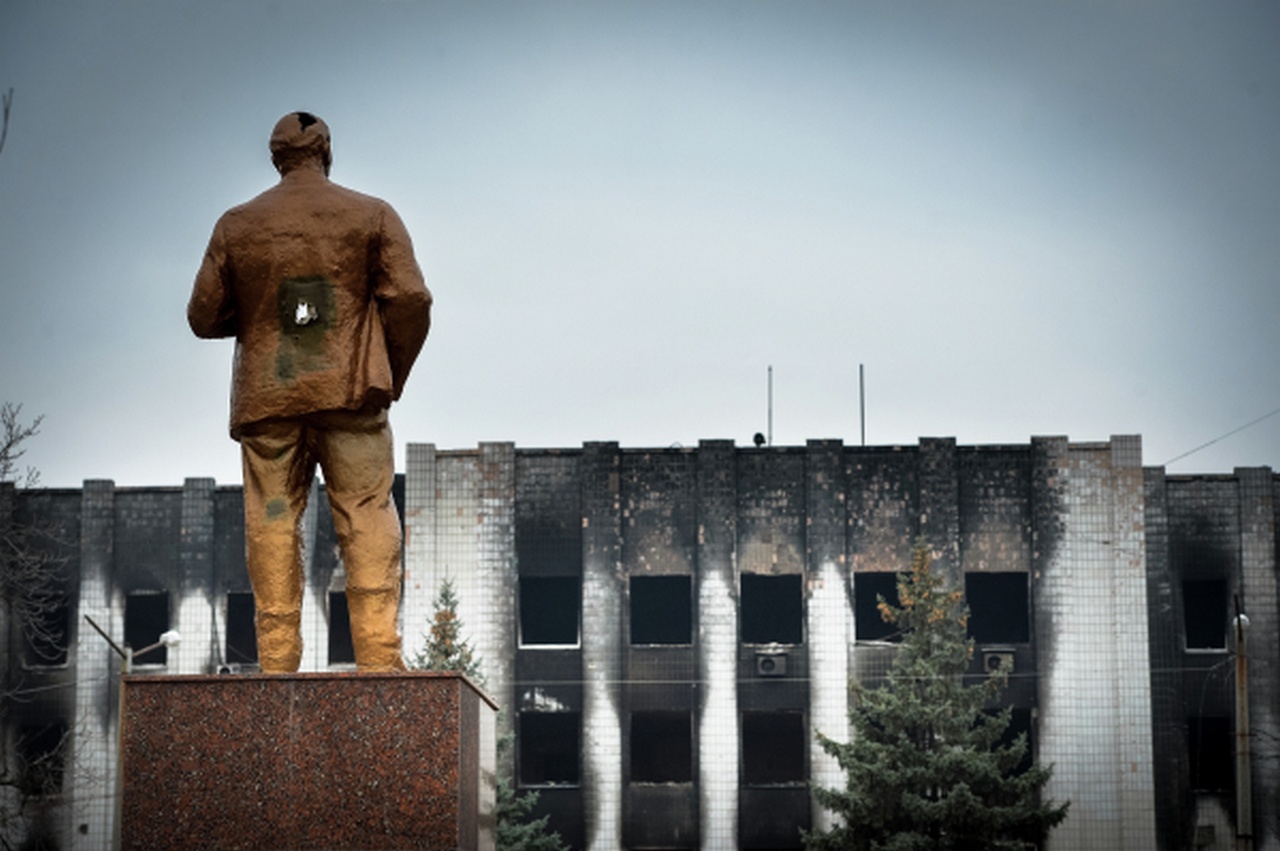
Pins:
x,y
446,650
928,767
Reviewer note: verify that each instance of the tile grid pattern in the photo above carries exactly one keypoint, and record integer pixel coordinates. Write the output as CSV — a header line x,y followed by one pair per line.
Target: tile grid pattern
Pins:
x,y
718,637
1096,683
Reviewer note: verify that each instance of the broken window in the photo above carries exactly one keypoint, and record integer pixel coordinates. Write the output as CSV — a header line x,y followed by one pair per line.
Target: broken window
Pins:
x,y
661,610
549,747
42,751
242,634
1204,607
1212,753
772,609
48,630
146,617
999,607
868,623
341,650
661,747
774,745
549,610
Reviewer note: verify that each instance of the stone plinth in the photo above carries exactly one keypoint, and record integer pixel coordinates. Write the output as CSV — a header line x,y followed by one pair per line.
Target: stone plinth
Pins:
x,y
398,760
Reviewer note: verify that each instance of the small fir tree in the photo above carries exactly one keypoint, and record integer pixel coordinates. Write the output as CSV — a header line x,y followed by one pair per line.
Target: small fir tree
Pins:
x,y
927,767
446,649
516,830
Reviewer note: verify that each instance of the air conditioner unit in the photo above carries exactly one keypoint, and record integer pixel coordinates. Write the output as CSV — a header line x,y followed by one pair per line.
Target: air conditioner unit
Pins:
x,y
229,668
997,660
771,664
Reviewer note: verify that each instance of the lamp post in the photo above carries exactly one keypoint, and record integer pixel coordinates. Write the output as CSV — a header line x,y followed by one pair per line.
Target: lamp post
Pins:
x,y
170,638
1244,783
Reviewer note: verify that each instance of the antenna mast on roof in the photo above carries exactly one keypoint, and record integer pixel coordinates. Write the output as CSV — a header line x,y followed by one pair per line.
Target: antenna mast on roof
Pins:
x,y
862,404
770,440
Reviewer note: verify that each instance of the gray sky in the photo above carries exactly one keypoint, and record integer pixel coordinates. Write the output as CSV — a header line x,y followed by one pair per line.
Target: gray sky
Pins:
x,y
1024,219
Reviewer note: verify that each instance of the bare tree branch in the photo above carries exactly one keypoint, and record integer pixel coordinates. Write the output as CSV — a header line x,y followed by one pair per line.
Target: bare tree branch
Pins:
x,y
15,434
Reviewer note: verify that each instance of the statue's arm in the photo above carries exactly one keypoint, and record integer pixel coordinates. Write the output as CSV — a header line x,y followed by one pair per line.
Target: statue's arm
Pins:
x,y
404,301
211,312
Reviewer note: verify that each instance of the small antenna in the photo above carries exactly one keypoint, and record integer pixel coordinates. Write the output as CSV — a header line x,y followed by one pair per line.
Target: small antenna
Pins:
x,y
770,437
862,403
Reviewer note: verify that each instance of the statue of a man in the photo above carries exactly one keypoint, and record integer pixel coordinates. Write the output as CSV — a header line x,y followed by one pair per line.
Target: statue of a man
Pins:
x,y
320,288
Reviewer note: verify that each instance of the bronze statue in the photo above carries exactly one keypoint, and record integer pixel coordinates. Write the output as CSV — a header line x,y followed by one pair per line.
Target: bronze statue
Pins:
x,y
320,288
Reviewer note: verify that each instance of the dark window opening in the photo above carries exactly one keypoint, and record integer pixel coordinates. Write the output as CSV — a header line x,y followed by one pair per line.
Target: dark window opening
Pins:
x,y
549,747
341,649
772,609
773,748
869,625
146,617
661,747
43,751
242,634
661,610
999,607
1204,606
1212,754
549,609
47,631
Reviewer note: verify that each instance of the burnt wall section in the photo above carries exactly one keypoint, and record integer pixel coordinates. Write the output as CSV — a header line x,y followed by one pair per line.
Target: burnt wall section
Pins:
x,y
883,503
994,495
658,497
771,511
548,678
1175,810
939,476
36,641
1216,548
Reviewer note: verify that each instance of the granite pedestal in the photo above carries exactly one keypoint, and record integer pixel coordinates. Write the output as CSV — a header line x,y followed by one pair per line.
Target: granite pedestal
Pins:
x,y
333,761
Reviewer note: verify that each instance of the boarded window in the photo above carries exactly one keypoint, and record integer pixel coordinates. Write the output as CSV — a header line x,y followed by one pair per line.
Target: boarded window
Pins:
x,y
661,747
661,610
341,650
1204,606
146,617
242,635
772,609
773,748
549,609
999,607
549,748
867,589
1211,753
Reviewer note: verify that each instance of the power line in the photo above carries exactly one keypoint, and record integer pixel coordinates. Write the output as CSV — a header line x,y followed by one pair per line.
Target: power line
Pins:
x,y
1222,437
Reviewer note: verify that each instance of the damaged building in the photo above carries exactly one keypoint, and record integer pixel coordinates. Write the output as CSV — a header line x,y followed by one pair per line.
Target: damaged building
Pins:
x,y
666,628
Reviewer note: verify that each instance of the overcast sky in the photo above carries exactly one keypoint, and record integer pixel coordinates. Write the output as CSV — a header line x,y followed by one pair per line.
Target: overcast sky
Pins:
x,y
1024,219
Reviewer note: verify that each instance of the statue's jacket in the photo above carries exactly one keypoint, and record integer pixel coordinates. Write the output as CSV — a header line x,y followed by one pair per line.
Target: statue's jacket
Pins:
x,y
320,288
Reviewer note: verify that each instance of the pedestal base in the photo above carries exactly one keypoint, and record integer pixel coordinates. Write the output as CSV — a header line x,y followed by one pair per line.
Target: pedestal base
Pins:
x,y
402,760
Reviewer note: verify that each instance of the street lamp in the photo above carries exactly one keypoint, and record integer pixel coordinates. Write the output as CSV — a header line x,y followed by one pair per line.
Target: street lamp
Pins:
x,y
169,638
1244,782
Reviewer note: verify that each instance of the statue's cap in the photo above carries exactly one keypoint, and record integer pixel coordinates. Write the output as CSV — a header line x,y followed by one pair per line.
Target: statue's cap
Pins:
x,y
301,132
